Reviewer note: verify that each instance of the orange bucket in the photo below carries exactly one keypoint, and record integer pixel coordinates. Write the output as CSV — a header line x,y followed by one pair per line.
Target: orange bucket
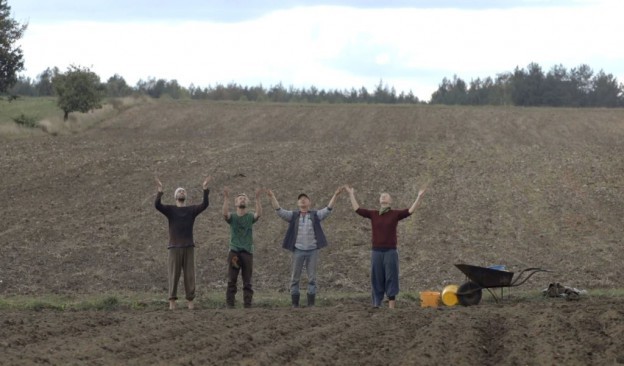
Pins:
x,y
429,299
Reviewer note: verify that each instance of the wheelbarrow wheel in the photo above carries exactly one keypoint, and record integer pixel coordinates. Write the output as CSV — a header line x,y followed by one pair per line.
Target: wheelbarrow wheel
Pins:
x,y
469,294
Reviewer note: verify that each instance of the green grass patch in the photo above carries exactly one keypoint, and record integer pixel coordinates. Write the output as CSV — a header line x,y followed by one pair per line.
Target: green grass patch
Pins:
x,y
612,292
33,108
149,301
268,300
42,112
105,303
38,305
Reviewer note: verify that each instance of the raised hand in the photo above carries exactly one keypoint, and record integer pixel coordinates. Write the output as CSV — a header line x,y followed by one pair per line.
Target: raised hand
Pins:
x,y
273,199
354,202
206,181
339,190
159,185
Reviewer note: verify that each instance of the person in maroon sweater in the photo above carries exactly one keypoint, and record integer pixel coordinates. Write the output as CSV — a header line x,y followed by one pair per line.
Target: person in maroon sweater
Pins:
x,y
181,245
384,254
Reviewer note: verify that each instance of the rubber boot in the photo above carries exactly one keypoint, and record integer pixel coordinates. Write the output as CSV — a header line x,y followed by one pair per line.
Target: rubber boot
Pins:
x,y
295,300
229,299
247,298
311,299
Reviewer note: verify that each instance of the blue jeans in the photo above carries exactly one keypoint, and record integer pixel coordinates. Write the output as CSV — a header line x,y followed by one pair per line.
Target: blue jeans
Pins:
x,y
384,274
309,258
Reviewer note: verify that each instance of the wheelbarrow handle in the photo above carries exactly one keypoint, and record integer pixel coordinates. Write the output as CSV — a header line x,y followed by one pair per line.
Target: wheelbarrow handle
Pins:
x,y
533,271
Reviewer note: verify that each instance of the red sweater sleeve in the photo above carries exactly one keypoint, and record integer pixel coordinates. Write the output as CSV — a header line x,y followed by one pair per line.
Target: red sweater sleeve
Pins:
x,y
402,214
363,212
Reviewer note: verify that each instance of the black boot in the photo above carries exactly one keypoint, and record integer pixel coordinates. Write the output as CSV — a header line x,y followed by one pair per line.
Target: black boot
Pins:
x,y
311,299
247,298
295,300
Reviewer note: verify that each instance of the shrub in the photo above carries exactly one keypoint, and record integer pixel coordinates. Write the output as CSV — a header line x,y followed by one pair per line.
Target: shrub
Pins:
x,y
25,121
108,303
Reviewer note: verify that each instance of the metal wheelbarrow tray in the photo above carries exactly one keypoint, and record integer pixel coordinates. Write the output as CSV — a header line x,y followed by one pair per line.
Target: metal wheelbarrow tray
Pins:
x,y
481,278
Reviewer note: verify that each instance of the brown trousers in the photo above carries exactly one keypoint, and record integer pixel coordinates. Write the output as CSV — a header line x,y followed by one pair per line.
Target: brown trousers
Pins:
x,y
245,264
182,260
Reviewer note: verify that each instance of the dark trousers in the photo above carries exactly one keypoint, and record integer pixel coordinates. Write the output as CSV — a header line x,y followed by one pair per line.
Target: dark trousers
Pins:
x,y
245,267
384,274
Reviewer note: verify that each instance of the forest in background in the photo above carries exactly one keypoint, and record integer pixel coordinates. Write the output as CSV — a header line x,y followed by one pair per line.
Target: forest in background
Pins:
x,y
531,86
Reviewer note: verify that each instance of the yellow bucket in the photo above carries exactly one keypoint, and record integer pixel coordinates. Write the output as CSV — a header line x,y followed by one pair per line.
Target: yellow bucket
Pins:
x,y
449,295
429,299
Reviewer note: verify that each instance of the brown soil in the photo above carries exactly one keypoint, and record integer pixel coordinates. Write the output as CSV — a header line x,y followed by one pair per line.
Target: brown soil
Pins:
x,y
512,186
524,333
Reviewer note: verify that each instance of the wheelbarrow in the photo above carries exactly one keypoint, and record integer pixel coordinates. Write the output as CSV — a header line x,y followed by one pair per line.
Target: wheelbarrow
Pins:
x,y
481,278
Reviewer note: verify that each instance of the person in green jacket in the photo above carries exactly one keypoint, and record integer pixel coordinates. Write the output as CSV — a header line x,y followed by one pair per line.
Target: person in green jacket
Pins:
x,y
240,256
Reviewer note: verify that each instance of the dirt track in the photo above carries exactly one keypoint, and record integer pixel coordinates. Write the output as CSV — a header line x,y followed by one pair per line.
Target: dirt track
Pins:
x,y
512,186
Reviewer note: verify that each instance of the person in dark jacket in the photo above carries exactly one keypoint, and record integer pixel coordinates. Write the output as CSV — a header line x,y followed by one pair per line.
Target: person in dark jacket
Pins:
x,y
304,237
181,245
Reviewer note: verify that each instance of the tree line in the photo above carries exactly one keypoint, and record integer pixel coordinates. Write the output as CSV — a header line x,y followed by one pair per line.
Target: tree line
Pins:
x,y
116,86
578,87
559,87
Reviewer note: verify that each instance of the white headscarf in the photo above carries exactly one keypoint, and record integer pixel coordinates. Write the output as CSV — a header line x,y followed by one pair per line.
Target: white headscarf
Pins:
x,y
175,194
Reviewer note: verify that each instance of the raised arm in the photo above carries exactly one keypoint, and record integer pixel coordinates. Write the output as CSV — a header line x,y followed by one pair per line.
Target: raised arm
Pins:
x,y
285,215
273,200
204,203
258,212
159,187
351,192
226,203
332,201
417,202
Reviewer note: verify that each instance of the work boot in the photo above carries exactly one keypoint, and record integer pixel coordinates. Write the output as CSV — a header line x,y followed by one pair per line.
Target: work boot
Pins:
x,y
295,300
311,299
230,300
247,299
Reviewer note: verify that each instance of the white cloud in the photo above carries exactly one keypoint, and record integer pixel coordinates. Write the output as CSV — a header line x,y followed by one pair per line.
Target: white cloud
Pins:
x,y
337,47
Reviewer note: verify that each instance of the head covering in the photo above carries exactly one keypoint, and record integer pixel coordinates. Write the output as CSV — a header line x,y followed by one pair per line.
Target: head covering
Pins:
x,y
175,194
302,195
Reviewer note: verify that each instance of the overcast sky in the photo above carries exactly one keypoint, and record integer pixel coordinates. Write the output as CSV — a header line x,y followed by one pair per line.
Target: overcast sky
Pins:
x,y
333,44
